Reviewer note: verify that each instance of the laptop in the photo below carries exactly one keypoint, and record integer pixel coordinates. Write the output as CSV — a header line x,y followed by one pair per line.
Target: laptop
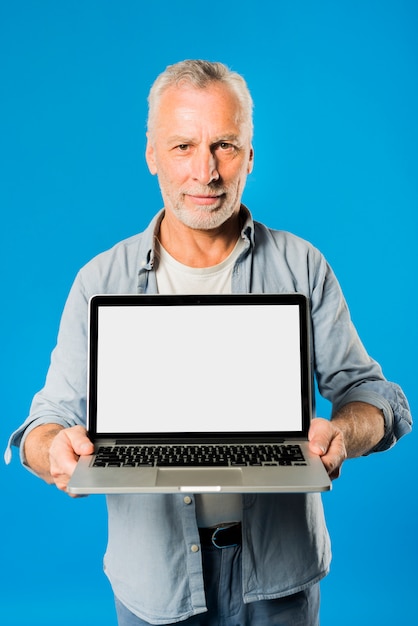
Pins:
x,y
199,394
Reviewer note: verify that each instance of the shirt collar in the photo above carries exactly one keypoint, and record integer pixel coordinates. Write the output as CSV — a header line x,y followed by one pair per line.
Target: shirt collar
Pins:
x,y
150,236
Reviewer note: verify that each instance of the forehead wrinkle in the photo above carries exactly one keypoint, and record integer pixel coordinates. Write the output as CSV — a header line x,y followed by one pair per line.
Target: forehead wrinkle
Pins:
x,y
216,139
181,139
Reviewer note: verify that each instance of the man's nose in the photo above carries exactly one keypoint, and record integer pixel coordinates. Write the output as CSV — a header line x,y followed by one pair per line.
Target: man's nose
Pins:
x,y
205,167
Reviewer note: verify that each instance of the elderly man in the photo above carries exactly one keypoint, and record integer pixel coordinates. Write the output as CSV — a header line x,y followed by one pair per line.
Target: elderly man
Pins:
x,y
160,566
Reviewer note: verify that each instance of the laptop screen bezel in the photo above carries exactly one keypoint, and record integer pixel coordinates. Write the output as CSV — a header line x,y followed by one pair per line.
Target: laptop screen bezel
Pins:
x,y
114,300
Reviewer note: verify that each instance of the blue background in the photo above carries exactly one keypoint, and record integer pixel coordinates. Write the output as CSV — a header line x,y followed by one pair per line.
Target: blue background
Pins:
x,y
336,136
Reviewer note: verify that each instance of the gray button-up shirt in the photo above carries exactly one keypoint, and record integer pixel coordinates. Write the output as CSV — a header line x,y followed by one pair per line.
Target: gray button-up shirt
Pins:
x,y
153,558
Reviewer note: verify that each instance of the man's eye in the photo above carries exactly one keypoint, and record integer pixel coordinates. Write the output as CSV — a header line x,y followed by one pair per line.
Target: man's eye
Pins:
x,y
226,146
183,147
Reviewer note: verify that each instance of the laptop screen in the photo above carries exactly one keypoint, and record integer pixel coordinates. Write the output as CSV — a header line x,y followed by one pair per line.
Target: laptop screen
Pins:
x,y
208,364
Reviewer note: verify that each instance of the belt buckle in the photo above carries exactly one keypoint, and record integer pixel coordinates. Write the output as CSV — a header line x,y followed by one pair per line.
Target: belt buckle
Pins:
x,y
219,529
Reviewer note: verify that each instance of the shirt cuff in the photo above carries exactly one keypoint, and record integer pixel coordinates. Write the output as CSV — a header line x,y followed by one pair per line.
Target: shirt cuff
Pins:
x,y
18,438
370,397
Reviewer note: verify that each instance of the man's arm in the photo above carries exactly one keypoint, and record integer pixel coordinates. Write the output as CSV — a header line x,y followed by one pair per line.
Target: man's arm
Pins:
x,y
353,431
52,451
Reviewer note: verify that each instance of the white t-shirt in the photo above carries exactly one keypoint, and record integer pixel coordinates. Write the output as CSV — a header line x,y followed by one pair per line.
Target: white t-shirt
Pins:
x,y
174,277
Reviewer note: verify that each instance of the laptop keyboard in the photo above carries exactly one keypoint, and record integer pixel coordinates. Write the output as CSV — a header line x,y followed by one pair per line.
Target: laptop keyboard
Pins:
x,y
199,455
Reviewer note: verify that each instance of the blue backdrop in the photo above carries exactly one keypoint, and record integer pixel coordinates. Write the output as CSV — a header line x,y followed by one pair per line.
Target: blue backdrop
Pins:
x,y
336,136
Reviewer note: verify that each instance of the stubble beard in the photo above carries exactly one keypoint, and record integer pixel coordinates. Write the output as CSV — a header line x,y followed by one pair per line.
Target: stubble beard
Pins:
x,y
202,217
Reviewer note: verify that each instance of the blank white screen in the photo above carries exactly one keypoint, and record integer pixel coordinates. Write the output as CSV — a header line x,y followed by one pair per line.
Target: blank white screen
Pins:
x,y
198,369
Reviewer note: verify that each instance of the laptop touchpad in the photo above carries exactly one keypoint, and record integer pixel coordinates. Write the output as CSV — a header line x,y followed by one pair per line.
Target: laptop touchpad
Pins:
x,y
193,479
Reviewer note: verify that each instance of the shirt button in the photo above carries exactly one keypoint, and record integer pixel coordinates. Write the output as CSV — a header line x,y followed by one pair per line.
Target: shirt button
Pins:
x,y
187,500
194,548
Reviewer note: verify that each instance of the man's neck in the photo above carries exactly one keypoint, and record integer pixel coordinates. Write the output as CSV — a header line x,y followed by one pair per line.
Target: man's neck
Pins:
x,y
199,248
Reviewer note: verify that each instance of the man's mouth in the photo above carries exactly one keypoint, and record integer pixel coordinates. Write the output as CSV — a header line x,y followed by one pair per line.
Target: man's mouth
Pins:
x,y
205,200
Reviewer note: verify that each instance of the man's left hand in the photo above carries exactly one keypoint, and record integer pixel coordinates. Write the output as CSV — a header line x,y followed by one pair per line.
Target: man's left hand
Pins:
x,y
327,440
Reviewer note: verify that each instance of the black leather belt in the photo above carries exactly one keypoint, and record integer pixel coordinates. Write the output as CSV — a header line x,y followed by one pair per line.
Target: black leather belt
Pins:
x,y
222,536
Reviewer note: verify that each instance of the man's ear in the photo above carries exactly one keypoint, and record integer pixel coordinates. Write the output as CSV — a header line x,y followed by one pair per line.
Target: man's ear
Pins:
x,y
250,161
149,156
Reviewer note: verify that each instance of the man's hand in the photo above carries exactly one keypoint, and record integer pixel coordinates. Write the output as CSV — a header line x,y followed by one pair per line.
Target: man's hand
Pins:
x,y
65,449
327,440
52,452
355,429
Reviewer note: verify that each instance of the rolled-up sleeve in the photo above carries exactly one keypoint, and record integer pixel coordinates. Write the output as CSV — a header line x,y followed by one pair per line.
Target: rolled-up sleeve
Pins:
x,y
63,398
344,370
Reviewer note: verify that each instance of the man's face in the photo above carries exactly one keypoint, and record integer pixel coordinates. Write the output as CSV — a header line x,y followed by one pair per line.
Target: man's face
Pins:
x,y
200,148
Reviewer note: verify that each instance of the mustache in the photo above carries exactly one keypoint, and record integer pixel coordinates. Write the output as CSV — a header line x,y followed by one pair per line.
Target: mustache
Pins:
x,y
213,189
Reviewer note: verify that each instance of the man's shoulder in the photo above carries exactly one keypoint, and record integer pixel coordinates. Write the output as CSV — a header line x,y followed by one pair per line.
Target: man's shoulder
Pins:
x,y
129,249
282,239
129,243
116,269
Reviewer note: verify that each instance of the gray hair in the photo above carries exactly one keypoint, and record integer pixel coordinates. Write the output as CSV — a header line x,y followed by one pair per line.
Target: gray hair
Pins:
x,y
200,74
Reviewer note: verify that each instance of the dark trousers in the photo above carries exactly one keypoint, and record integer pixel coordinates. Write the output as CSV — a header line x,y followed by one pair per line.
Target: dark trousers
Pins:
x,y
223,588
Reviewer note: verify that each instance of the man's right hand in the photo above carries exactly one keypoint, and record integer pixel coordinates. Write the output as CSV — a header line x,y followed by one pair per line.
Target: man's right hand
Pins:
x,y
66,447
52,451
